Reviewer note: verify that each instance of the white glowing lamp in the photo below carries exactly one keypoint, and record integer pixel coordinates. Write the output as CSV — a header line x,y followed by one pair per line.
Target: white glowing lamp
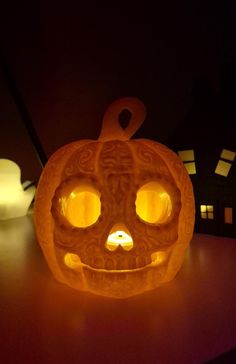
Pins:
x,y
14,200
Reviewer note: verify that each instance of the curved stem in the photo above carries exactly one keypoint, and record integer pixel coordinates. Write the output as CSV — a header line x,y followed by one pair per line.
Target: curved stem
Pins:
x,y
111,128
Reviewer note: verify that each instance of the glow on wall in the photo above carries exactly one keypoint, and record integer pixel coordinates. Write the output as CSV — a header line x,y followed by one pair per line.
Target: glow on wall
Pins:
x,y
14,200
114,216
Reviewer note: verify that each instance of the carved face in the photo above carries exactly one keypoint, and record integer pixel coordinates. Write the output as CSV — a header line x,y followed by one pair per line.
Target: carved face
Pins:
x,y
114,217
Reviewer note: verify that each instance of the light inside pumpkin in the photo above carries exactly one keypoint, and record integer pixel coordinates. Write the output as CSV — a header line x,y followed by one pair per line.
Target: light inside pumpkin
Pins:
x,y
153,203
159,257
72,260
82,207
119,237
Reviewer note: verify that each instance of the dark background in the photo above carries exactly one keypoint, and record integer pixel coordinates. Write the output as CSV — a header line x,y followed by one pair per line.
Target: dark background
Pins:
x,y
68,61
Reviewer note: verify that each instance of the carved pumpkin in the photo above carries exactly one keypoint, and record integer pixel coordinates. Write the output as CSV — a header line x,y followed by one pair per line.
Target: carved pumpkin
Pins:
x,y
115,216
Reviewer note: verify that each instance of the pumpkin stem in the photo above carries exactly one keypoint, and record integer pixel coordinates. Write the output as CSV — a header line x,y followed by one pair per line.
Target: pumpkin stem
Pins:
x,y
111,127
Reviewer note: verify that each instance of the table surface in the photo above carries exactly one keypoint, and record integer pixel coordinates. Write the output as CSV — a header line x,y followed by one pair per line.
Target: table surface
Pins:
x,y
189,320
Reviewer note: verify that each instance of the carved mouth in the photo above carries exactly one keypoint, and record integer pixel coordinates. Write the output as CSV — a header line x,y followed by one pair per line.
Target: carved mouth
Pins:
x,y
74,262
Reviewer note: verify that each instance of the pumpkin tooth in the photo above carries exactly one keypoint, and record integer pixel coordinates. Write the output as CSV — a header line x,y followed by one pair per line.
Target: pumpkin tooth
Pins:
x,y
140,261
98,262
132,263
91,262
126,263
148,259
83,259
109,264
118,263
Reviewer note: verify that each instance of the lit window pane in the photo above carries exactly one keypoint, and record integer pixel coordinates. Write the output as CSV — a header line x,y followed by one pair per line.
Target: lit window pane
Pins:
x,y
210,215
228,215
223,168
203,215
191,167
210,207
203,208
186,155
227,154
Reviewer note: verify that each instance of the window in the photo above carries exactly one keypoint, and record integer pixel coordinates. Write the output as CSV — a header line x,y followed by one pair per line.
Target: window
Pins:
x,y
207,212
188,158
225,162
228,215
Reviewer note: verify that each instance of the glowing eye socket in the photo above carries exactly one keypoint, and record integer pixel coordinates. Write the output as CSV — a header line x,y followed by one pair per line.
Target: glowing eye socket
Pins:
x,y
82,207
153,203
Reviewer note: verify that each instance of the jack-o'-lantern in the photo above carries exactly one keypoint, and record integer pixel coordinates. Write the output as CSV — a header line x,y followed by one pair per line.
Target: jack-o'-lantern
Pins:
x,y
114,216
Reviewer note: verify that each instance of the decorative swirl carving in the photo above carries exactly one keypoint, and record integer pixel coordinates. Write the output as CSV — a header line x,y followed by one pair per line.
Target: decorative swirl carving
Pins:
x,y
147,158
171,160
118,186
115,156
83,160
145,154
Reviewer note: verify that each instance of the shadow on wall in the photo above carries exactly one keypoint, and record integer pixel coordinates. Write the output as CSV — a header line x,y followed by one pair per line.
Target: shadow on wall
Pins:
x,y
16,141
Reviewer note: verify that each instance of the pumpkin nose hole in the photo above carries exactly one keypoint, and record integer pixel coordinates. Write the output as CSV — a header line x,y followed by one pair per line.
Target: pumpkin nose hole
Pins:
x,y
119,237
